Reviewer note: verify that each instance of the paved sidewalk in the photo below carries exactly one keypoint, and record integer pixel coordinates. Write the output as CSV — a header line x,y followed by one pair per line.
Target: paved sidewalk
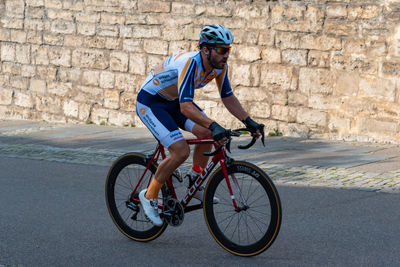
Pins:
x,y
295,161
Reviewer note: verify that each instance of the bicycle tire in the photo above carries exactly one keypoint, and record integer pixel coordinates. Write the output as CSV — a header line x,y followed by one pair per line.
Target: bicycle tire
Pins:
x,y
265,219
124,176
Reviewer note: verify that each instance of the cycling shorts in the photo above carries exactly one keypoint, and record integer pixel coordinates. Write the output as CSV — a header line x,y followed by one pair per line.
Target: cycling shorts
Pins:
x,y
163,117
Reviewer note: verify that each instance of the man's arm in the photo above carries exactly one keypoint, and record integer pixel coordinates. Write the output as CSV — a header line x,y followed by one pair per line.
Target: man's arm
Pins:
x,y
193,113
234,107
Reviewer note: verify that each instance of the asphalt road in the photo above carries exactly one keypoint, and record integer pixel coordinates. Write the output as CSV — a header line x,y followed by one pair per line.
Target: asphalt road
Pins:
x,y
54,214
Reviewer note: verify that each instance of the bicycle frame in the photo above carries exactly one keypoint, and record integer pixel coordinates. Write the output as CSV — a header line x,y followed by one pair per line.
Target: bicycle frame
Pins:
x,y
220,157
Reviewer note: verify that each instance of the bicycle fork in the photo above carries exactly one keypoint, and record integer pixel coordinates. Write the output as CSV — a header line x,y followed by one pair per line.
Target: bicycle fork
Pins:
x,y
243,201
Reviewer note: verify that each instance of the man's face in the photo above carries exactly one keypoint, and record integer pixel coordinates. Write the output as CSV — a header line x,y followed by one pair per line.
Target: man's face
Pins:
x,y
219,55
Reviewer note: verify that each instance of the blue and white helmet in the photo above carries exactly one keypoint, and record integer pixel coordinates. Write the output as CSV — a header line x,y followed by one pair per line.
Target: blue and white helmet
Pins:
x,y
215,34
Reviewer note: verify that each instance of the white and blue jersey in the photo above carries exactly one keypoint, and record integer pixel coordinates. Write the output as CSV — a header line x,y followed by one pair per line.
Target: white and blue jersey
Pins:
x,y
171,83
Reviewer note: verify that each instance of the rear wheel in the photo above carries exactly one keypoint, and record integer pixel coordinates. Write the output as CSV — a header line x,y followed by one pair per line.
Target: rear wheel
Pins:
x,y
253,227
126,212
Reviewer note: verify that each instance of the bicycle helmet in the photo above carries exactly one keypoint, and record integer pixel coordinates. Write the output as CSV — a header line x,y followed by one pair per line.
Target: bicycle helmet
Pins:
x,y
215,34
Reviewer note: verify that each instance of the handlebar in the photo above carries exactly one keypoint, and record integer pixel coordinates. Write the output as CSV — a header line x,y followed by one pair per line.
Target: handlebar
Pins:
x,y
238,132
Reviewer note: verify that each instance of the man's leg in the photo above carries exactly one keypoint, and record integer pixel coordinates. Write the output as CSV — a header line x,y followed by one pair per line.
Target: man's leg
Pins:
x,y
199,149
178,153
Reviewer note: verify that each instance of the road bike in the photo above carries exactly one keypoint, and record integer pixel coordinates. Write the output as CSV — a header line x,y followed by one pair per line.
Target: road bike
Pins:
x,y
245,221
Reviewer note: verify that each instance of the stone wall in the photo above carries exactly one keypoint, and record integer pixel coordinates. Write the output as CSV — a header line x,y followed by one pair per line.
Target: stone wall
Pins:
x,y
307,68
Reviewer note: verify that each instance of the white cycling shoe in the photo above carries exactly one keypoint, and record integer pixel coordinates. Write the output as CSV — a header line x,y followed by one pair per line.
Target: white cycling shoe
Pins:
x,y
200,194
150,208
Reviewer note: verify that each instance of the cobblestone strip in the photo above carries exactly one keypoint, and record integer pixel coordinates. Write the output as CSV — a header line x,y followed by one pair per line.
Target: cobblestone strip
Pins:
x,y
301,176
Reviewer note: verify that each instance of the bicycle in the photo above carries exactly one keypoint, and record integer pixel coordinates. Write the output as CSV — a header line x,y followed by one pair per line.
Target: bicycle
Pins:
x,y
245,222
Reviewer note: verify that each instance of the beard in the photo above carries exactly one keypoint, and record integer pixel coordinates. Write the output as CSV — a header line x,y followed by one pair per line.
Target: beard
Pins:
x,y
217,64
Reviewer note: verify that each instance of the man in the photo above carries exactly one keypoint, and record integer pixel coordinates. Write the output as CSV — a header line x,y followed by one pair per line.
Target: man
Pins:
x,y
165,102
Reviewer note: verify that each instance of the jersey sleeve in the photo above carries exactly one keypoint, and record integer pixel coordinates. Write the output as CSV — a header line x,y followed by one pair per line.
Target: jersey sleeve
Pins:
x,y
186,81
223,84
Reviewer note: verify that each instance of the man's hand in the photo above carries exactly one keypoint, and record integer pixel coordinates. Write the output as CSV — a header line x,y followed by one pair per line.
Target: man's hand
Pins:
x,y
256,129
218,133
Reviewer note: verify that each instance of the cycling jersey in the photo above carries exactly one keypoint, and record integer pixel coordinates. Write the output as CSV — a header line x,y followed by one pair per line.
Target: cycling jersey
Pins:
x,y
185,72
181,75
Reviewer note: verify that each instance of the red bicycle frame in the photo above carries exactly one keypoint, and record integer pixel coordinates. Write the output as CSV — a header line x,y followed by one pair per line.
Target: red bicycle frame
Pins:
x,y
220,157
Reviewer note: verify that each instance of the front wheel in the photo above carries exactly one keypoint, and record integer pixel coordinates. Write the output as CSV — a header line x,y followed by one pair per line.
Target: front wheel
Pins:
x,y
253,226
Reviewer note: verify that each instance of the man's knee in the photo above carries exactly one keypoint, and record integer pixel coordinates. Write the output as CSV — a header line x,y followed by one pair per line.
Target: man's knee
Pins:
x,y
203,133
180,151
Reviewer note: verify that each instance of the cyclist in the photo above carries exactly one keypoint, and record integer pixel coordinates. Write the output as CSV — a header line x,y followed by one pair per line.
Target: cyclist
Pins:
x,y
165,104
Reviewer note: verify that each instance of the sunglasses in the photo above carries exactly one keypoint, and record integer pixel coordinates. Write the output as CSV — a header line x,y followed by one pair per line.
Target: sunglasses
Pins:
x,y
222,50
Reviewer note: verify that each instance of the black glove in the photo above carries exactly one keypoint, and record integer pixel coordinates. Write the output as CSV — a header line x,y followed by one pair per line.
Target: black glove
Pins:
x,y
217,131
252,125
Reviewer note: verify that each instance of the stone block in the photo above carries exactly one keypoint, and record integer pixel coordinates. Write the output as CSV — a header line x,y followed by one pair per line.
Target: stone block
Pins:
x,y
5,34
56,4
12,23
377,88
47,73
7,51
266,37
298,18
137,64
4,80
112,19
247,94
240,74
324,102
17,36
173,34
192,33
336,11
88,29
95,94
91,78
84,111
297,99
381,126
146,32
339,123
14,8
182,8
48,104
87,17
69,74
11,68
119,61
23,54
126,82
316,81
128,101
59,89
347,83
356,46
132,45
146,6
277,76
107,79
391,69
280,113
336,28
248,53
28,70
295,57
54,40
19,82
287,40
260,109
271,55
6,96
320,42
370,11
73,41
107,30
120,118
35,3
34,37
71,108
111,99
38,86
60,56
63,27
90,58
312,118
177,47
318,59
99,115
157,47
23,100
